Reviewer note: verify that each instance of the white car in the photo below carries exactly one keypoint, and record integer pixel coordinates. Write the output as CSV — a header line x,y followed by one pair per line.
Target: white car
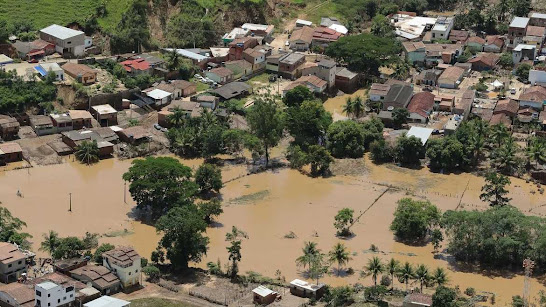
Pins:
x,y
287,43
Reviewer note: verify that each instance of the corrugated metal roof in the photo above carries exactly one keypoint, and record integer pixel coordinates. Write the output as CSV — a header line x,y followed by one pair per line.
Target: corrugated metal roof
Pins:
x,y
61,32
519,22
421,133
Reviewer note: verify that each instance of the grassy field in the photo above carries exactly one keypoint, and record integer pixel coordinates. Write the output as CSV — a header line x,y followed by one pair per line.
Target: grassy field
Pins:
x,y
157,302
45,12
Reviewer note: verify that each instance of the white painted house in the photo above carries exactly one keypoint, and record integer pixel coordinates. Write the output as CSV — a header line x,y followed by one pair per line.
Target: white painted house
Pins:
x,y
51,294
442,27
537,77
125,263
66,40
160,97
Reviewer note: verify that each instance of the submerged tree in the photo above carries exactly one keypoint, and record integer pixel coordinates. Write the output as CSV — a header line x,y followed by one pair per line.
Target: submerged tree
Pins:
x,y
343,221
422,275
318,266
374,268
494,191
406,273
309,250
266,123
339,254
392,267
234,251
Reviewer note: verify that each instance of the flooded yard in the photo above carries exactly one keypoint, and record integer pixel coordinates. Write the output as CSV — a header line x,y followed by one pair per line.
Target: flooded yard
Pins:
x,y
267,206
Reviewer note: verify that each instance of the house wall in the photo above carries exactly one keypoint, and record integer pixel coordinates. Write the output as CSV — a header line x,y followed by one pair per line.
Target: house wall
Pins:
x,y
346,85
537,76
7,300
416,57
128,276
44,130
299,45
328,75
538,105
11,271
54,297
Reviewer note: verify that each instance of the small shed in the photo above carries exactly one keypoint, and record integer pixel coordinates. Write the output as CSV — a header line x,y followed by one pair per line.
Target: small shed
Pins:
x,y
263,295
304,289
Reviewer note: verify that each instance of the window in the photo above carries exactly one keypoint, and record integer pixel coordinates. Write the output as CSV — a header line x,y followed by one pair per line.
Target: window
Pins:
x,y
38,303
49,295
71,295
9,265
64,298
20,261
129,273
58,300
38,293
136,271
48,304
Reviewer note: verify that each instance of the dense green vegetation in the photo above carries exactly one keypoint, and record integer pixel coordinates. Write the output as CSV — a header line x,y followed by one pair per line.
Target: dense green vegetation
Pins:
x,y
69,247
10,229
414,219
16,94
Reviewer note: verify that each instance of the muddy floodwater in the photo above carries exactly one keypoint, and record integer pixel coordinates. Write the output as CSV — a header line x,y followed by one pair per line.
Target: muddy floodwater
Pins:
x,y
267,207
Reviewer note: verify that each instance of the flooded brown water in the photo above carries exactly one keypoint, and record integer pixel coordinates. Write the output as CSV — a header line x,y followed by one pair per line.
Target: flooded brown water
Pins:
x,y
267,206
335,105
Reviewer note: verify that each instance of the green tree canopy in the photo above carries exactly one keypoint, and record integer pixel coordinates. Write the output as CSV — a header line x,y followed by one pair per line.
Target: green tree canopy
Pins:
x,y
494,190
209,178
444,297
296,96
364,53
157,184
409,150
343,221
266,123
413,219
308,122
346,139
183,239
446,153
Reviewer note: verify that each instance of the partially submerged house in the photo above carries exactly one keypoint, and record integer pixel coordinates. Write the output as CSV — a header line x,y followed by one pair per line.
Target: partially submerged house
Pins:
x,y
12,261
346,80
10,152
135,135
42,125
80,119
313,83
9,127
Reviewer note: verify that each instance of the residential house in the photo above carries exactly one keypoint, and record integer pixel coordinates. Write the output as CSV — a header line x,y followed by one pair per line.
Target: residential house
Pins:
x,y
234,34
428,77
508,107
9,127
442,27
154,61
451,77
220,75
346,80
135,135
327,72
263,296
10,152
458,36
313,83
159,97
105,114
256,58
303,23
136,66
493,43
12,260
218,55
501,118
81,73
537,19
272,63
233,90
535,36
42,125
527,115
125,263
76,137
107,301
534,97
378,91
80,119
265,31
196,58
61,122
484,61
33,50
410,27
44,69
417,300
186,88
240,68
100,277
190,109
328,21
308,68
475,43
289,63
415,52
107,134
48,293
304,289
68,42
484,114
442,53
322,36
301,39
420,107
524,52
208,101
237,46
444,103
536,77
516,31
66,265
464,104
399,96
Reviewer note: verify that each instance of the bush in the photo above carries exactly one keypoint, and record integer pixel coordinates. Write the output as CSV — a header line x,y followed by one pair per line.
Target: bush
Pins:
x,y
97,256
413,219
152,272
375,293
470,291
143,262
339,296
385,280
381,151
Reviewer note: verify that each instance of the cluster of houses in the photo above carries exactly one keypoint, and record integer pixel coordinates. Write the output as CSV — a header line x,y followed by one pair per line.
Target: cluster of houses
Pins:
x,y
73,282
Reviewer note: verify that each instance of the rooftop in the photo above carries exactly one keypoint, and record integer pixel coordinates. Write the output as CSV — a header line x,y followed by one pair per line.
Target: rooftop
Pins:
x,y
538,15
304,34
452,74
9,252
421,103
291,58
122,256
519,22
48,285
158,94
79,114
61,32
535,31
232,89
107,301
263,291
379,89
188,54
221,72
421,133
303,284
104,109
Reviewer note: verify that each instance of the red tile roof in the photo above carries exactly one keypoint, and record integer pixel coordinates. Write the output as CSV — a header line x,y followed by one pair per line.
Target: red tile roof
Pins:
x,y
507,106
137,64
475,39
487,59
534,93
326,34
535,31
494,40
500,118
421,103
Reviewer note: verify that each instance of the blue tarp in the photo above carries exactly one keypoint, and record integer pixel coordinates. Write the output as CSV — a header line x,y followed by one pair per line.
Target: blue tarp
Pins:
x,y
40,70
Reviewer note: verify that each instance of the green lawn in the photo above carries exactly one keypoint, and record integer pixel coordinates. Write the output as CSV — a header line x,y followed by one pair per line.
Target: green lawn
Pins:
x,y
158,302
46,12
200,85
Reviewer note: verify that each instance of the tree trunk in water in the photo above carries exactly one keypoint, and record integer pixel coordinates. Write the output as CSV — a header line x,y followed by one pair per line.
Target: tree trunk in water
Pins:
x,y
266,156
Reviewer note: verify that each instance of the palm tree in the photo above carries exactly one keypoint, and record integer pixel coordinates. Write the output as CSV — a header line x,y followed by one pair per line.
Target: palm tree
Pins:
x,y
406,273
478,139
358,107
309,250
440,277
176,119
422,275
88,152
348,108
498,133
50,242
374,268
339,254
392,267
536,152
505,156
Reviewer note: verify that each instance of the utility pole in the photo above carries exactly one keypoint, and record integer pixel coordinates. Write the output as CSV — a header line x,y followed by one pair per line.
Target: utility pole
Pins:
x,y
70,195
125,192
